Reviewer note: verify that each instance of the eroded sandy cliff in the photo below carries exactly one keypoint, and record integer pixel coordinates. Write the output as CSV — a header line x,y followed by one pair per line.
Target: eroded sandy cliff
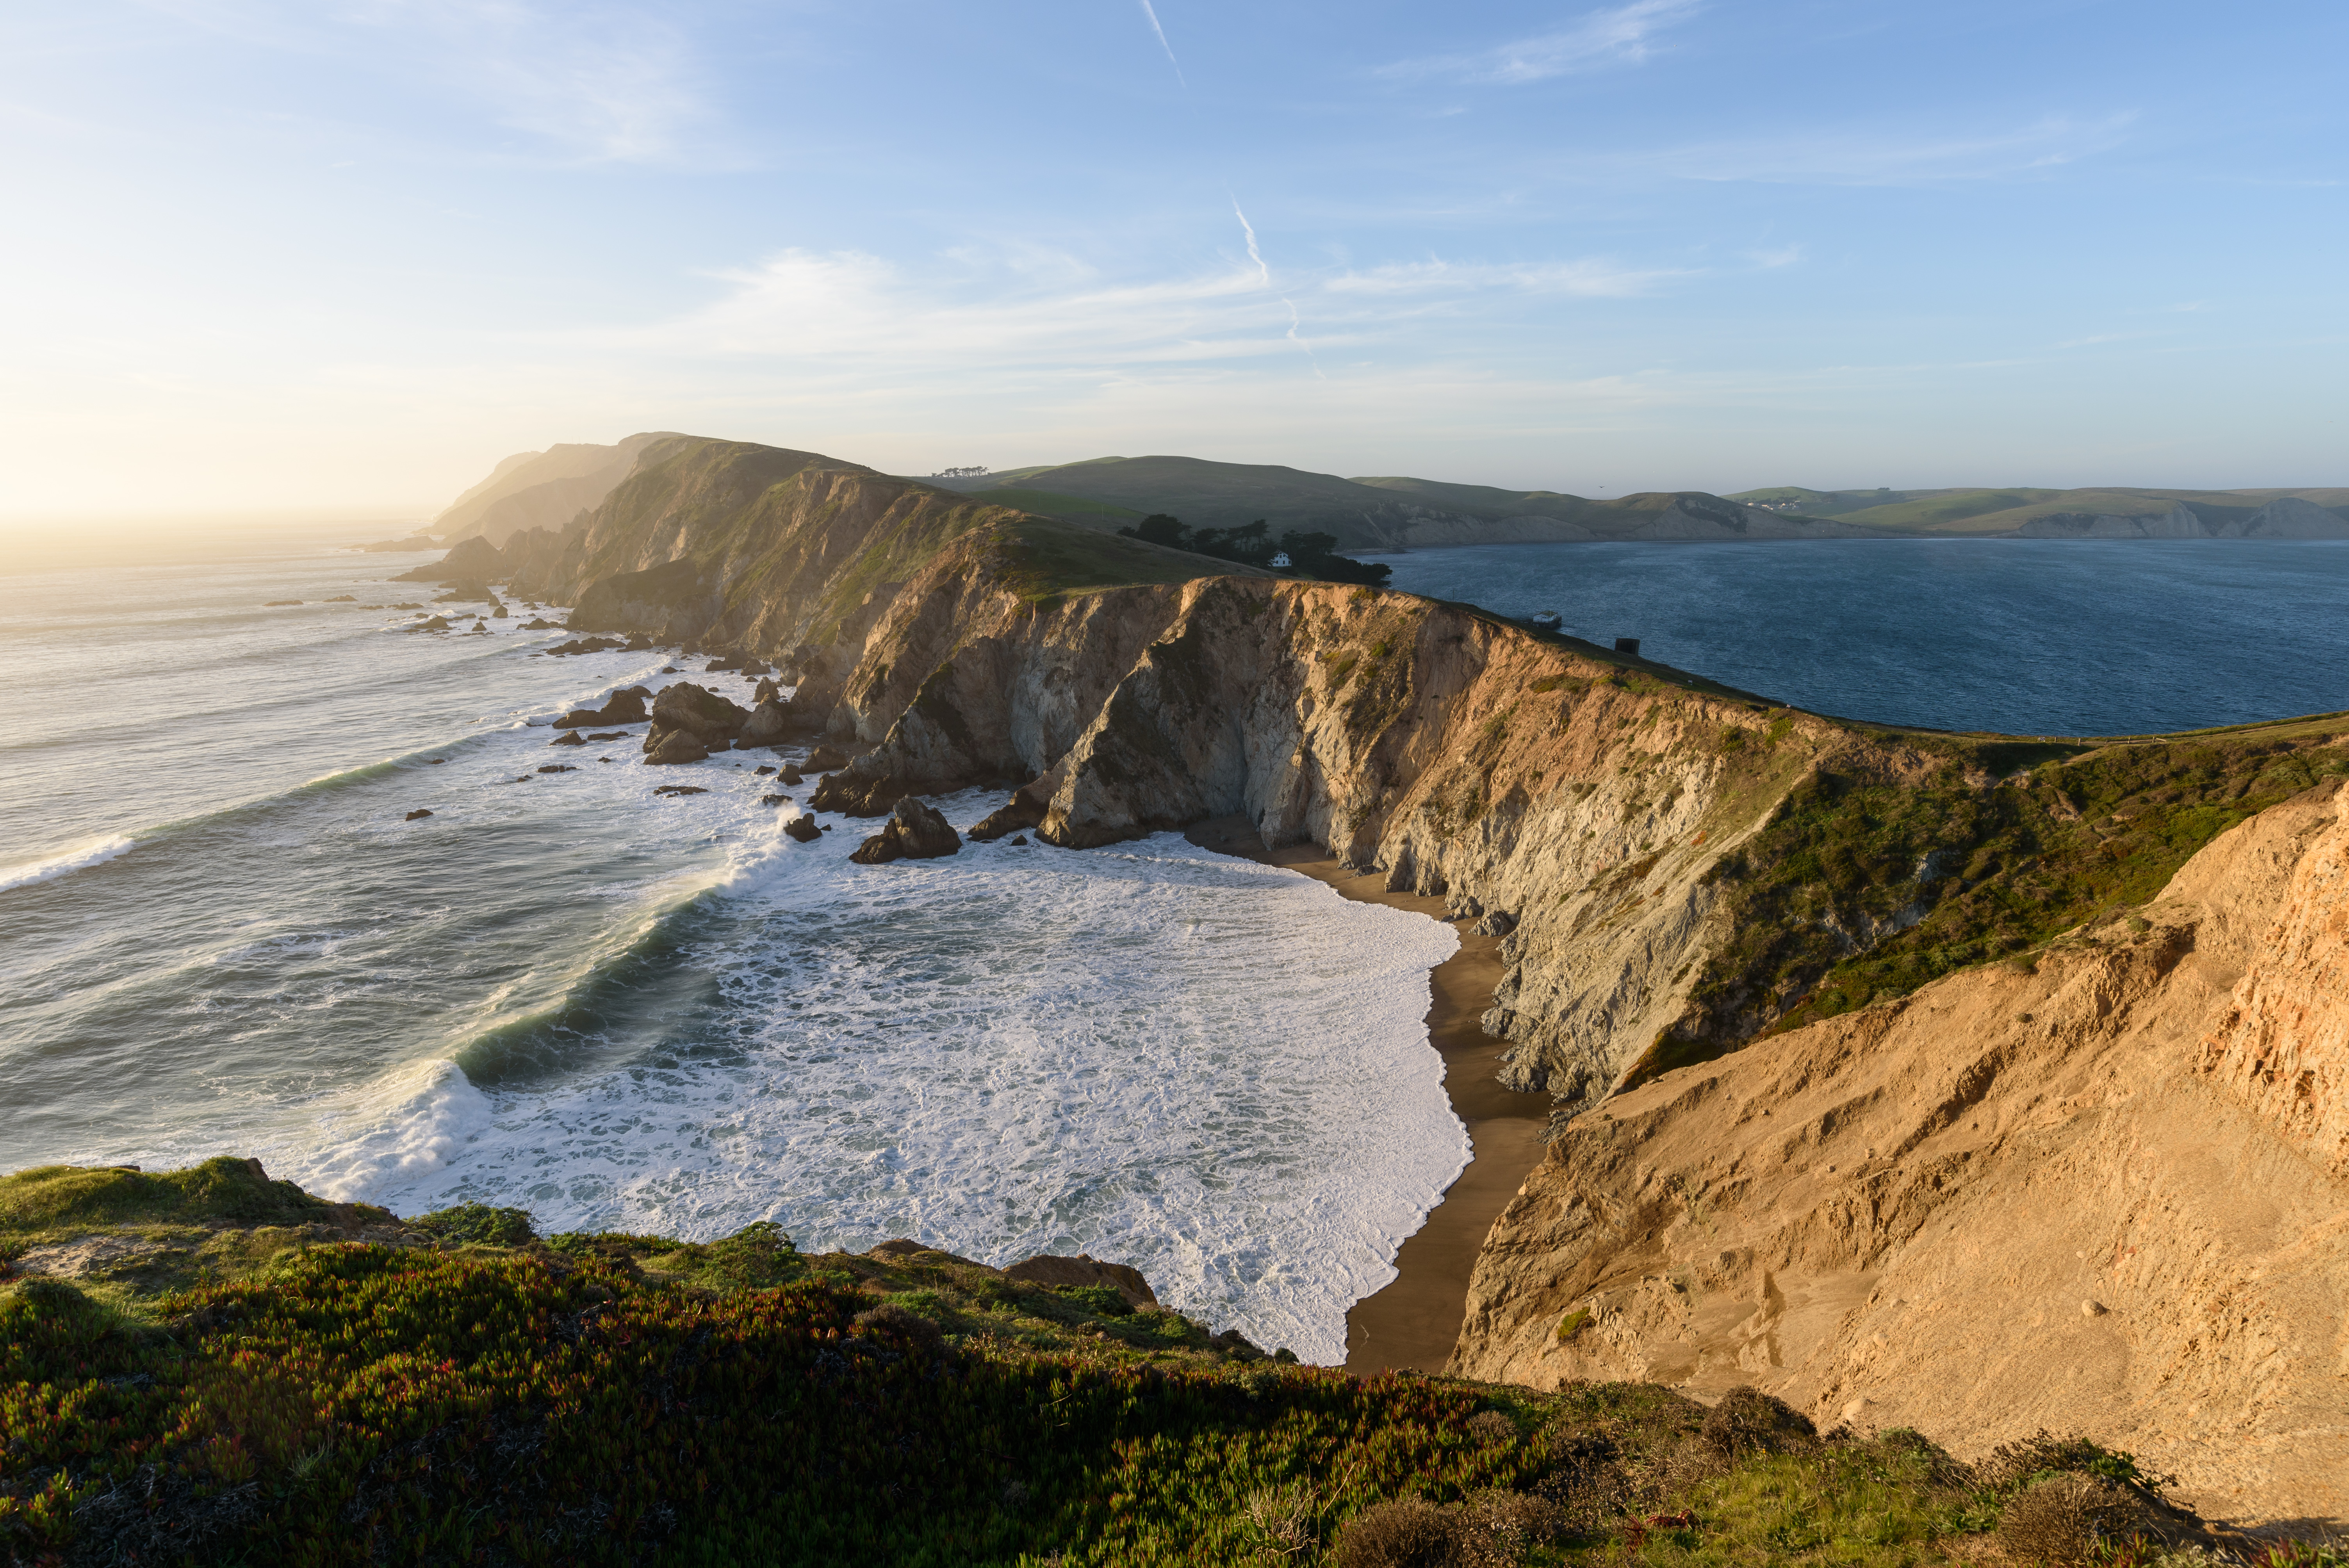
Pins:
x,y
2102,1191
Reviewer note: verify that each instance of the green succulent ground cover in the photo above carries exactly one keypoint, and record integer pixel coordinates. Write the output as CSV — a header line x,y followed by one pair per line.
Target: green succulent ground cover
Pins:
x,y
473,1393
1860,890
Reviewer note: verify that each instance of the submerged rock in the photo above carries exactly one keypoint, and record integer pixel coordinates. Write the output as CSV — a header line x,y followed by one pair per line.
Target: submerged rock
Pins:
x,y
419,812
557,767
681,789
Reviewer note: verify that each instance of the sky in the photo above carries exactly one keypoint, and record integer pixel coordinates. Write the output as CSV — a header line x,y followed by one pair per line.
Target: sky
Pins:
x,y
266,256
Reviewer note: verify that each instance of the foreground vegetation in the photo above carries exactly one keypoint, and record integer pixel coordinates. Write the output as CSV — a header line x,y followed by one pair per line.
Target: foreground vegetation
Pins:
x,y
237,1389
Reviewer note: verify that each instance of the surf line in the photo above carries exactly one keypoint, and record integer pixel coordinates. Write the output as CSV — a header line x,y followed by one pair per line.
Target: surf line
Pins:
x,y
1413,1322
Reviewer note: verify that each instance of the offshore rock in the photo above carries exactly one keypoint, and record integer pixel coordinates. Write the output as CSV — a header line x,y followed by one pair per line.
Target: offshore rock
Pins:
x,y
803,829
922,832
1022,811
569,738
878,850
700,712
667,748
768,724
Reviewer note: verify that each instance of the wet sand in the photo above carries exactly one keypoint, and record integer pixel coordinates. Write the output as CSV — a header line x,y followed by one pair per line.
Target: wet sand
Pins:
x,y
1413,1321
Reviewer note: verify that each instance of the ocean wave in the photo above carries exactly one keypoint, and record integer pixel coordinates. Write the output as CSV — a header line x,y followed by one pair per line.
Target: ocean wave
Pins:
x,y
406,1125
79,858
1214,1070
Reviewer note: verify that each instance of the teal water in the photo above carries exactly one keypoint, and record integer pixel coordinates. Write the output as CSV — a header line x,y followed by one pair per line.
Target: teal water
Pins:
x,y
2019,635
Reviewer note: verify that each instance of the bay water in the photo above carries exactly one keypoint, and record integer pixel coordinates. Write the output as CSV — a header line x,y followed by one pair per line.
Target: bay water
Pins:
x,y
2022,636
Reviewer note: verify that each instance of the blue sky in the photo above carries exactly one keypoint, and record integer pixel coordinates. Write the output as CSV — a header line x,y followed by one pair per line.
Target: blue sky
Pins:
x,y
349,252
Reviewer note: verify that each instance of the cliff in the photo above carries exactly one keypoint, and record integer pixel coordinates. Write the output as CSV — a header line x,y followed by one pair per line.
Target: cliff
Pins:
x,y
1869,1086
545,490
1682,866
2103,1189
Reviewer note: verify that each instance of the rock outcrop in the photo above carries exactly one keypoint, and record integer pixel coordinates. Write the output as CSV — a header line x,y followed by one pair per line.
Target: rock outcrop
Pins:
x,y
914,831
689,713
1084,1269
2100,1192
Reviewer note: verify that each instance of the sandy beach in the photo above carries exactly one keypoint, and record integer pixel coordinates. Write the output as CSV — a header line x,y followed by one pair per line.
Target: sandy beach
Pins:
x,y
1413,1323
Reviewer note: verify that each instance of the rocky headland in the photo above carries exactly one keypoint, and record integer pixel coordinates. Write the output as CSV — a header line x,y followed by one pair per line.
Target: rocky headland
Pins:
x,y
1973,1082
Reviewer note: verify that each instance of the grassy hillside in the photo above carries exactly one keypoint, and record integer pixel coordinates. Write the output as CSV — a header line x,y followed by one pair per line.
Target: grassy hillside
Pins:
x,y
1485,500
1222,495
1068,508
457,1389
1991,510
1860,890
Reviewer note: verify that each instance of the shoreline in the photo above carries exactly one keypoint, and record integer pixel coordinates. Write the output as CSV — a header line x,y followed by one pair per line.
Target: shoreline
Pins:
x,y
1413,1322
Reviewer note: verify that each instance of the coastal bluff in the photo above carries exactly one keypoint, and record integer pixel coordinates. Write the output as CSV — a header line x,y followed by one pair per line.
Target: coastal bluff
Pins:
x,y
1820,1004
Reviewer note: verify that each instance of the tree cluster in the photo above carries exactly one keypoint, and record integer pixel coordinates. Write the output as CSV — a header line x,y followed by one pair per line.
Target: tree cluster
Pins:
x,y
1309,554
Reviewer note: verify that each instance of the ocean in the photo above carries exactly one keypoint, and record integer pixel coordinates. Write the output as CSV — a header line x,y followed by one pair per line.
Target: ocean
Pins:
x,y
2023,636
660,1015
562,993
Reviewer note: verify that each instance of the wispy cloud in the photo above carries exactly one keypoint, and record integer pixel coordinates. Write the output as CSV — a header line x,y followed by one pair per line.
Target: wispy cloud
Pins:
x,y
1619,35
1591,279
849,309
1150,11
1879,157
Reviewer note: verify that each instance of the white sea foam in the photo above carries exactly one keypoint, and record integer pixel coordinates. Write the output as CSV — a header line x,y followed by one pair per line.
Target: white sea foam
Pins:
x,y
1213,1069
89,853
684,1022
405,1127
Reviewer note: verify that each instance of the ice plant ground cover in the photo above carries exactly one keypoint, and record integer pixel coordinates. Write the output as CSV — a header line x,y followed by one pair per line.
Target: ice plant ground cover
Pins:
x,y
237,1385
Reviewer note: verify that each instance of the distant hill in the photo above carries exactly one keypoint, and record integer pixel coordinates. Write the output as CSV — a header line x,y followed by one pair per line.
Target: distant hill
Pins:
x,y
2099,512
1381,513
544,490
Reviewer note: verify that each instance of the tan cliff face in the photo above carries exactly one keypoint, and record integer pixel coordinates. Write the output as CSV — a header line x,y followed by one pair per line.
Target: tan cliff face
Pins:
x,y
1580,797
2104,1195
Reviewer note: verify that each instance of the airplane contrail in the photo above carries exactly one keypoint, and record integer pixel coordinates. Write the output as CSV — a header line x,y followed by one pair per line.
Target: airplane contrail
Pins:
x,y
1254,254
1295,337
1148,11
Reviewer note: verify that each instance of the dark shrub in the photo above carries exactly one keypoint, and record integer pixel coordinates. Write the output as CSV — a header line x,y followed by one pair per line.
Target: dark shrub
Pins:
x,y
477,1224
1748,1421
1408,1533
910,1327
2064,1519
